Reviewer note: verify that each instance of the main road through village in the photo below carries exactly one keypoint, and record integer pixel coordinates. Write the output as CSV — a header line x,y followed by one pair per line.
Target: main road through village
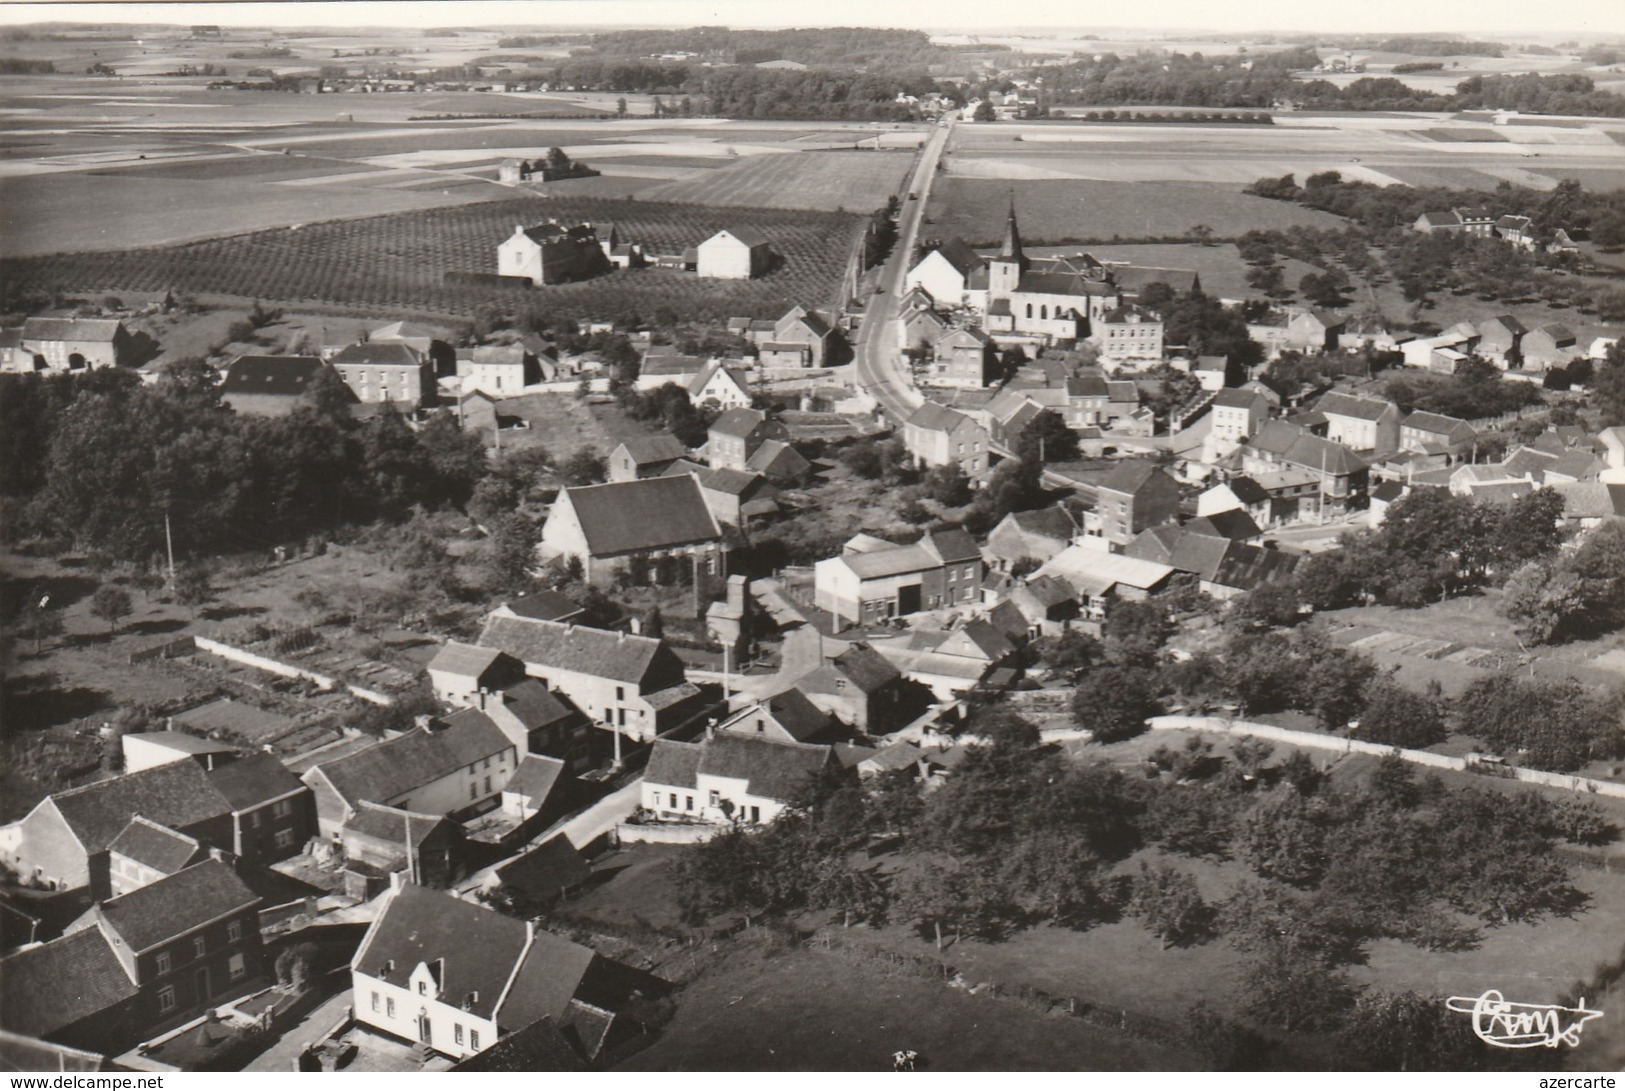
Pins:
x,y
878,358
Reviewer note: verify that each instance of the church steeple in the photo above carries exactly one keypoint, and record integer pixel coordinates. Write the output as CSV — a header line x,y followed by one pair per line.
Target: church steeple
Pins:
x,y
1012,239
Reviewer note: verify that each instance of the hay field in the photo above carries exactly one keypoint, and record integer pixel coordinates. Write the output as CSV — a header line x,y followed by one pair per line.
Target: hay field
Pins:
x,y
1088,211
824,181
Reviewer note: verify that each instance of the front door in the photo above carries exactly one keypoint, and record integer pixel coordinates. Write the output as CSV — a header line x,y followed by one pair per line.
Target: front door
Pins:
x,y
201,979
425,1031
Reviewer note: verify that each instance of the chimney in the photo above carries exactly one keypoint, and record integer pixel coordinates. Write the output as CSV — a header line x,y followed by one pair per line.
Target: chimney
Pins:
x,y
484,693
636,625
620,637
737,588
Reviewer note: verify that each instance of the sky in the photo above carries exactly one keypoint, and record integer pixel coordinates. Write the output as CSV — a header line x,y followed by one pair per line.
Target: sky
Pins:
x,y
1481,18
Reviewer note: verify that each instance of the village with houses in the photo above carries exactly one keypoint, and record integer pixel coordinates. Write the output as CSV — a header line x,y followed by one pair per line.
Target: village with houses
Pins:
x,y
521,693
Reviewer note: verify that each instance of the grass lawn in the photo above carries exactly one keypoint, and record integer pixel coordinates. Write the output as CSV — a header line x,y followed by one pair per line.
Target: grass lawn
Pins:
x,y
1055,211
811,1010
1223,273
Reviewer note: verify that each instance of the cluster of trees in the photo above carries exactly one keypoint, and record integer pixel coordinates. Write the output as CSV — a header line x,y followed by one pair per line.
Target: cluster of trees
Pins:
x,y
1552,724
24,66
1575,595
1023,835
668,404
815,93
829,47
1433,544
1203,325
1474,390
102,461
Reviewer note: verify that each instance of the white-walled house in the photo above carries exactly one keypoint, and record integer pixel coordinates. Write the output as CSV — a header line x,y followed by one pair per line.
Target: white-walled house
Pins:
x,y
608,527
455,976
456,765
728,777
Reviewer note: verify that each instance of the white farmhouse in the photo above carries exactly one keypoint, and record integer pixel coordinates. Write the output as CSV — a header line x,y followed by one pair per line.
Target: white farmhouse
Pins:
x,y
737,254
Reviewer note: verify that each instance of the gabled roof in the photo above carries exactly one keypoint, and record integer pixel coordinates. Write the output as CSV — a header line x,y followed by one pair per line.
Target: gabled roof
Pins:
x,y
673,764
71,329
697,385
392,824
378,354
1560,335
54,985
1237,398
935,417
773,770
961,256
952,545
1130,475
880,563
579,648
545,605
176,904
799,717
1053,522
481,948
176,794
1247,490
866,668
738,423
546,870
646,450
634,516
775,456
535,778
253,781
540,1047
164,850
1233,525
287,376
468,660
1441,219
747,235
1087,386
1337,403
1245,566
532,704
182,742
1458,431
394,767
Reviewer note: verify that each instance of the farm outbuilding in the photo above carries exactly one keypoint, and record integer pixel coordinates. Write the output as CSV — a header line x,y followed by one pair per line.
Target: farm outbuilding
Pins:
x,y
739,254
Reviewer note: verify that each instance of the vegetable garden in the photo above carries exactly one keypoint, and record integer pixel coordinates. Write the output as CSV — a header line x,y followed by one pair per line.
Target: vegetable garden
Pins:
x,y
400,261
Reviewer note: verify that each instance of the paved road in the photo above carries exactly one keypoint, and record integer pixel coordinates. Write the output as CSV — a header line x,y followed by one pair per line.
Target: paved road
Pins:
x,y
879,364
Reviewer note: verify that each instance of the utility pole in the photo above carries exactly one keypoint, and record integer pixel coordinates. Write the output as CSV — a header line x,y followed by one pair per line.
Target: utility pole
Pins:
x,y
169,544
695,557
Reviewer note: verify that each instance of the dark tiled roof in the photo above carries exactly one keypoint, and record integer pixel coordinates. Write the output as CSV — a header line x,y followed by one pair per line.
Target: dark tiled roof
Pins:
x,y
773,770
1349,405
1130,475
738,423
175,794
236,718
535,778
392,825
252,781
533,704
57,984
547,870
289,376
481,947
176,904
70,329
1439,424
378,354
158,847
1087,386
649,449
1236,398
747,235
1247,490
547,980
579,648
775,456
545,606
936,417
799,716
865,668
1198,553
632,516
181,741
1051,522
952,545
1235,525
394,767
961,256
673,764
540,1047
1247,566
465,659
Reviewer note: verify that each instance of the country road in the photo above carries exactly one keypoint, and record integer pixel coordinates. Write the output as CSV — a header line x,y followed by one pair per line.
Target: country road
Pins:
x,y
879,364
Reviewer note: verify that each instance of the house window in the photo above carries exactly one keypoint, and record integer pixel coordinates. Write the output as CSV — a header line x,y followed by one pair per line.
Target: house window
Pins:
x,y
253,820
620,693
236,967
716,800
284,838
389,1006
487,785
840,683
423,988
473,791
199,946
166,998
688,803
282,808
163,962
457,1033
234,931
673,797
473,1039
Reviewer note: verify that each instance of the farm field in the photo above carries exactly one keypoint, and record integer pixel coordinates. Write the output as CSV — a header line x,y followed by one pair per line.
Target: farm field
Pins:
x,y
399,261
1053,211
1370,147
827,181
78,152
1223,273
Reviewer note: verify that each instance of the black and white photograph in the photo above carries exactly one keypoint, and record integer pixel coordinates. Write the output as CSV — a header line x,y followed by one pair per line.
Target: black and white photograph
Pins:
x,y
617,537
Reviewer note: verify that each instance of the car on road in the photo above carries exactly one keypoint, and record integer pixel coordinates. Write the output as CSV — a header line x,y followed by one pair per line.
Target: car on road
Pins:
x,y
914,196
